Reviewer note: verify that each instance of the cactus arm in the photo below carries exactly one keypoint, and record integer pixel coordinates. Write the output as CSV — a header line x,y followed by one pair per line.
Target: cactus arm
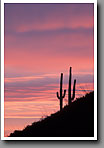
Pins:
x,y
58,95
74,89
64,94
69,87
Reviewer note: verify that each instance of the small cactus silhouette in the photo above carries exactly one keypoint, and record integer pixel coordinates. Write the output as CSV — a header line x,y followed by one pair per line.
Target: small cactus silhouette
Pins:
x,y
61,96
69,88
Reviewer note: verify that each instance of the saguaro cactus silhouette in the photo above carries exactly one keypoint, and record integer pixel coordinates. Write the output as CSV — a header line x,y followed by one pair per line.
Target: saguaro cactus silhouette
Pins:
x,y
69,88
61,96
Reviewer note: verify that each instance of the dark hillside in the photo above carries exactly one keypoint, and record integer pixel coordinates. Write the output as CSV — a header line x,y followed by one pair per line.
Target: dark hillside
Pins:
x,y
75,120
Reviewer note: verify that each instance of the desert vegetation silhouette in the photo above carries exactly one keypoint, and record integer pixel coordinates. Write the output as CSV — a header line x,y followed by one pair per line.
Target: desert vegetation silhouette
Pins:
x,y
76,119
60,97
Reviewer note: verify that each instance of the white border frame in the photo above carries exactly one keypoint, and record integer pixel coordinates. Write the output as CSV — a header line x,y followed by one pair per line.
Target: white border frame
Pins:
x,y
2,70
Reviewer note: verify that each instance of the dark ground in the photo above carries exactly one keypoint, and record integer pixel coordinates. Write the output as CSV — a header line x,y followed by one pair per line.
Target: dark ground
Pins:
x,y
75,120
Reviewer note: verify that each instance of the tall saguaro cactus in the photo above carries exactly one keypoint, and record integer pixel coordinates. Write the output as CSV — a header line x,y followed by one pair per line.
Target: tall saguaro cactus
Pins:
x,y
69,87
61,96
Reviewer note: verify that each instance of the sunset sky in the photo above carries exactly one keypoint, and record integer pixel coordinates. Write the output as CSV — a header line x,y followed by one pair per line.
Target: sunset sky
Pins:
x,y
41,41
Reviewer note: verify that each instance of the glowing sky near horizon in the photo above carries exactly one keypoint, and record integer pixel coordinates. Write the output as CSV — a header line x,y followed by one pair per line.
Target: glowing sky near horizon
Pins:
x,y
41,41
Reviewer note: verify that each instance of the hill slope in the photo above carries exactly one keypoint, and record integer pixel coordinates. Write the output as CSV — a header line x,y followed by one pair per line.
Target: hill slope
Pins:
x,y
75,120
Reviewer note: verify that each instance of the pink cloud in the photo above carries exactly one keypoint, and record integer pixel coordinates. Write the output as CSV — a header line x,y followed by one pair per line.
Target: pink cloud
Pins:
x,y
49,16
54,24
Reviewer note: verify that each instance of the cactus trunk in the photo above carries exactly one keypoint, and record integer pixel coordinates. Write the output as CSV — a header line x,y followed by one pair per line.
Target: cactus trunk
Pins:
x,y
61,96
69,88
61,82
61,104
